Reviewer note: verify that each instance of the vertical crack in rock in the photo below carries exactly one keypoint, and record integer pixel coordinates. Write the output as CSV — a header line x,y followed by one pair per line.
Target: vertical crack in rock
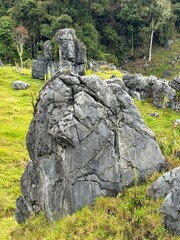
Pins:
x,y
85,140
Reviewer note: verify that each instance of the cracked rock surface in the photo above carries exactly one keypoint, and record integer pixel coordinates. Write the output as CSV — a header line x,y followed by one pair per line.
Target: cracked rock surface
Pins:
x,y
71,55
168,186
87,139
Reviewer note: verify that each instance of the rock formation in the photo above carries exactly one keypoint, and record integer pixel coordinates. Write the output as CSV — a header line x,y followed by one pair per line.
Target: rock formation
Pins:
x,y
175,83
162,93
71,55
19,85
39,68
168,186
87,139
97,65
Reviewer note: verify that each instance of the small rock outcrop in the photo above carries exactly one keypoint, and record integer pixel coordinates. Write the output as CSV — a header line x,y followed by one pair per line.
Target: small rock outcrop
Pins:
x,y
165,183
87,139
71,55
98,65
39,68
168,186
162,94
19,85
175,83
171,210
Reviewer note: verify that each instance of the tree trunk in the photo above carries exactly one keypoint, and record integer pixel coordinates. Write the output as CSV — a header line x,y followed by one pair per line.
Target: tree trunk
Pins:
x,y
132,37
150,46
21,60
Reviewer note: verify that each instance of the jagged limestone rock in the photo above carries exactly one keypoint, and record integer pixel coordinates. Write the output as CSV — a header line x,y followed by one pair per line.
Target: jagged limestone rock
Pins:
x,y
72,52
168,186
39,68
87,139
71,55
175,83
164,184
162,94
171,210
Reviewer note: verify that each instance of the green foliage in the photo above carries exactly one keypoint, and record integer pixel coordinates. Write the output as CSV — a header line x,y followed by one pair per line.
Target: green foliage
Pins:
x,y
91,40
7,46
64,21
120,29
106,73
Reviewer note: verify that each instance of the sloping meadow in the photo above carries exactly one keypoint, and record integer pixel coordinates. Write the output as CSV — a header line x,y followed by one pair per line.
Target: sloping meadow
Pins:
x,y
131,215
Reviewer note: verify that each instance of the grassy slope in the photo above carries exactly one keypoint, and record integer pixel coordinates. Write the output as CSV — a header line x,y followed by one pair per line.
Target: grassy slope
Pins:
x,y
161,60
132,215
15,115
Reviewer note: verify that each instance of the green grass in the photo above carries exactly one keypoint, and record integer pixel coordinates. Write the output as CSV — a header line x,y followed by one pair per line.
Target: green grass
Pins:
x,y
132,215
106,73
15,114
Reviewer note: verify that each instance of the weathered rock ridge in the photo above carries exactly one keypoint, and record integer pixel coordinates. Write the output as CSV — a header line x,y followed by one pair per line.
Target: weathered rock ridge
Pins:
x,y
71,55
168,186
87,139
163,94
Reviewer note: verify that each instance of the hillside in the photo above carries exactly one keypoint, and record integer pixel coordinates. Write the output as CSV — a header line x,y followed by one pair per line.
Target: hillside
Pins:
x,y
115,31
162,60
131,215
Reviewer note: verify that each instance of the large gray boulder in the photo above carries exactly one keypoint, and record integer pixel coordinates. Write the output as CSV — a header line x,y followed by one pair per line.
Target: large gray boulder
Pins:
x,y
168,186
87,139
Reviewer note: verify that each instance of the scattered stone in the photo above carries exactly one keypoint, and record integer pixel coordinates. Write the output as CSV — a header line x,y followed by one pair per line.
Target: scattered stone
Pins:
x,y
154,114
19,85
166,73
87,139
22,212
177,153
176,123
175,83
168,44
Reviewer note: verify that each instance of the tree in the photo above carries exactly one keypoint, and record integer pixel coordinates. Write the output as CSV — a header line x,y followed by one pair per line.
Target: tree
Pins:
x,y
21,36
31,14
160,12
7,48
64,21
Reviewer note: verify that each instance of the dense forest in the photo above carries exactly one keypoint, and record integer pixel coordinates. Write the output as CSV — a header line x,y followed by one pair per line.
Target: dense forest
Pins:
x,y
111,30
